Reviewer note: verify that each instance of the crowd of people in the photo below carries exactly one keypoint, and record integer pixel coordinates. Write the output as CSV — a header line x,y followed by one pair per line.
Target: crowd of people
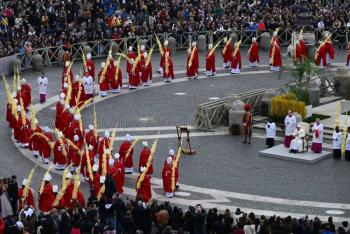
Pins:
x,y
135,216
27,25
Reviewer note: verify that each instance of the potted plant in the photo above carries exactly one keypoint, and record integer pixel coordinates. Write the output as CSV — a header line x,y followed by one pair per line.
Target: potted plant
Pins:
x,y
302,74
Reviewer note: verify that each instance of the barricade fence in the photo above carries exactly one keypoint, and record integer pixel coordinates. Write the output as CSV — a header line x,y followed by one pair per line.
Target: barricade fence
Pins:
x,y
50,55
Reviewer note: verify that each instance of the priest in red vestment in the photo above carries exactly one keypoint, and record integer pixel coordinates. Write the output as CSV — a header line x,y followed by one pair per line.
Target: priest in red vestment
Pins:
x,y
253,53
210,61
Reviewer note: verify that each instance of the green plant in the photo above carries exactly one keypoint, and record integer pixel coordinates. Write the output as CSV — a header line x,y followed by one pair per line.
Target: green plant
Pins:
x,y
302,74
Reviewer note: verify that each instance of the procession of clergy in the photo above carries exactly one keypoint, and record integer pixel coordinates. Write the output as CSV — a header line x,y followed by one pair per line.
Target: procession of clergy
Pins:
x,y
75,151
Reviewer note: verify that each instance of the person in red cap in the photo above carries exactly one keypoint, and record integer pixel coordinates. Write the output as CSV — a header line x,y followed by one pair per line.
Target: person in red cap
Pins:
x,y
144,155
247,123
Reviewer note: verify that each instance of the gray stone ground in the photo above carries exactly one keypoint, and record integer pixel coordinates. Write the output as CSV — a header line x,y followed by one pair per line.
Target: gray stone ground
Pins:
x,y
221,162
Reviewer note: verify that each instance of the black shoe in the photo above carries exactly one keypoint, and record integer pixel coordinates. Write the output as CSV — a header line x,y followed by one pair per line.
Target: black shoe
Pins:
x,y
249,142
244,142
177,186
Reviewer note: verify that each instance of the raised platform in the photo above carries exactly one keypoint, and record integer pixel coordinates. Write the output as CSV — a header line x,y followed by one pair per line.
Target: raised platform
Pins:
x,y
280,152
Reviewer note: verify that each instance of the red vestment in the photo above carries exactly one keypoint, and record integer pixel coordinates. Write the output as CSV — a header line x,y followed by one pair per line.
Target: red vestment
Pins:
x,y
73,154
92,138
162,58
95,184
74,129
45,148
116,82
276,56
84,167
167,178
67,197
103,144
329,49
272,42
103,81
90,68
64,78
227,52
210,62
168,70
59,115
77,88
144,192
253,54
133,56
146,73
119,176
124,147
193,69
24,130
58,154
236,59
26,95
28,201
134,77
144,155
321,54
34,142
46,198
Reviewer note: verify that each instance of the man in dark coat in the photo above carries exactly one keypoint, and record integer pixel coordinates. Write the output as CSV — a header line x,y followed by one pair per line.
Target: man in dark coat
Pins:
x,y
13,194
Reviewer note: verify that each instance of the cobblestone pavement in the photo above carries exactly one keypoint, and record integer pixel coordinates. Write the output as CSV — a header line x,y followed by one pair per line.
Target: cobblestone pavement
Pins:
x,y
233,166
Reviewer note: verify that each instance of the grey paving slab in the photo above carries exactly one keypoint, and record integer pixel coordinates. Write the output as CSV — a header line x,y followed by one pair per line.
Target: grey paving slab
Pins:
x,y
282,153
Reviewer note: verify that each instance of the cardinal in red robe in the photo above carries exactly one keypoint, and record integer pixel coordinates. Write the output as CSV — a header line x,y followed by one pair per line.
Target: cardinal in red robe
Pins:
x,y
78,93
29,200
67,74
210,61
119,173
92,138
133,75
236,64
127,159
168,71
74,154
74,129
103,80
45,145
26,94
276,58
146,74
95,183
167,178
23,124
274,40
104,143
46,198
59,112
321,58
90,66
253,53
165,49
144,192
35,140
144,155
60,152
328,47
84,165
131,57
227,53
192,62
116,78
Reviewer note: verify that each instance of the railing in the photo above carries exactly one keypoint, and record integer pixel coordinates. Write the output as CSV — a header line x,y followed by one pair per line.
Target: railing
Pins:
x,y
101,48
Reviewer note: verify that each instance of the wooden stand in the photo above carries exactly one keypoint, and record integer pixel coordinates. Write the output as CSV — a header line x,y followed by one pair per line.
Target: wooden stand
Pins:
x,y
180,130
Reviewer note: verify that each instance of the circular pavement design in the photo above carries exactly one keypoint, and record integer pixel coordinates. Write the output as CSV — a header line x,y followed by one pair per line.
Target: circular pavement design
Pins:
x,y
222,162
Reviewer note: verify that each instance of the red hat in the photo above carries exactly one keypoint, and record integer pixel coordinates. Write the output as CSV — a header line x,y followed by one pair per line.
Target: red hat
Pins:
x,y
247,107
